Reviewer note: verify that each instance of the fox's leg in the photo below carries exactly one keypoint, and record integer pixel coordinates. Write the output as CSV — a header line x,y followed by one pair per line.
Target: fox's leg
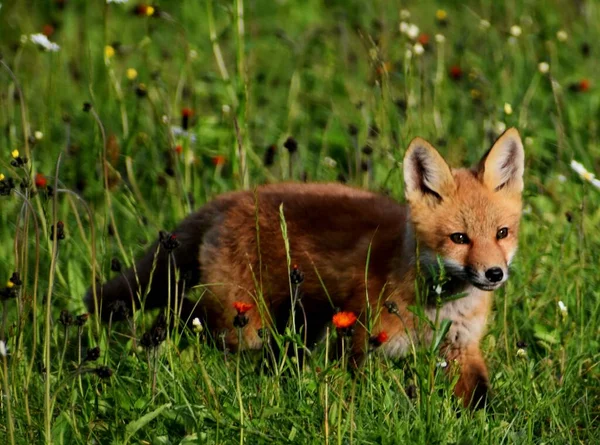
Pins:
x,y
473,382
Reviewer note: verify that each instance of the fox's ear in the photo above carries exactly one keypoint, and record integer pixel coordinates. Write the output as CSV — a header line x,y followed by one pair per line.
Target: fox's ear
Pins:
x,y
426,174
501,168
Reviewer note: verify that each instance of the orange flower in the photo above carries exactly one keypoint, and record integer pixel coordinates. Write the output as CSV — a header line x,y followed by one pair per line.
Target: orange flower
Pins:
x,y
455,72
48,30
423,39
178,149
218,160
584,85
242,307
343,320
40,181
187,112
382,337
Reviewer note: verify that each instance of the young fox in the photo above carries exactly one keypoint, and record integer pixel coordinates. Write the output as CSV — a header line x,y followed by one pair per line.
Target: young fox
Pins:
x,y
356,249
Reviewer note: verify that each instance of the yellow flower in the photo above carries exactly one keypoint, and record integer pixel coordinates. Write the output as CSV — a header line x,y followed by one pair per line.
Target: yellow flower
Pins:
x,y
10,284
508,108
441,15
15,153
132,73
2,177
149,11
109,51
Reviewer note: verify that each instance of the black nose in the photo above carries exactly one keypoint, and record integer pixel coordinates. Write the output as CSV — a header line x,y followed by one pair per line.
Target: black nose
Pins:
x,y
494,274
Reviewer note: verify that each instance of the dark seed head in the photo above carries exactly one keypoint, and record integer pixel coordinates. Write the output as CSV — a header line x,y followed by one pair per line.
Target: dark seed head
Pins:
x,y
296,275
352,130
104,372
521,344
240,320
87,106
291,145
65,318
81,319
92,354
115,265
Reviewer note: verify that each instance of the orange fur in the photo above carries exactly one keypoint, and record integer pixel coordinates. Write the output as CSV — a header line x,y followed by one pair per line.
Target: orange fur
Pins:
x,y
332,229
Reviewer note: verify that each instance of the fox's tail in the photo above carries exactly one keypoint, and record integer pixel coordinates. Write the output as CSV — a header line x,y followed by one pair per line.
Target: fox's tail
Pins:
x,y
147,283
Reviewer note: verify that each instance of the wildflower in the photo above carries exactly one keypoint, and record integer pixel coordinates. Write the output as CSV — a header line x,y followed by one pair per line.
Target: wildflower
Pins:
x,y
141,90
17,161
442,364
178,149
2,177
521,344
403,27
442,17
580,87
423,39
109,51
528,141
104,372
561,178
438,289
65,318
379,339
404,14
367,150
296,275
40,181
585,174
562,35
15,154
131,73
270,155
3,350
81,319
521,353
60,231
150,11
563,309
418,49
543,67
168,240
115,265
291,145
439,38
38,135
329,162
219,160
508,109
197,325
484,24
500,127
413,31
242,307
226,109
515,31
455,72
92,354
475,94
6,185
48,30
43,41
186,113
344,320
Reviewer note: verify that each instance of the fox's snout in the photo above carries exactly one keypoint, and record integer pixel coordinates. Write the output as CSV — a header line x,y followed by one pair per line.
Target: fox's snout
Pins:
x,y
489,278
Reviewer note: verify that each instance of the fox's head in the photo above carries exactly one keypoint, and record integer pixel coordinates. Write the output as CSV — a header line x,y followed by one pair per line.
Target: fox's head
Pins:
x,y
468,217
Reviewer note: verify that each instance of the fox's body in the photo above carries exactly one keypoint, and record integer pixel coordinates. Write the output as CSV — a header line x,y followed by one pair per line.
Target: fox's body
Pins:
x,y
358,252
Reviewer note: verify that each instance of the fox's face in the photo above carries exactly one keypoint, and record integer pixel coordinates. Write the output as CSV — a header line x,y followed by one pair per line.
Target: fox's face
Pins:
x,y
468,218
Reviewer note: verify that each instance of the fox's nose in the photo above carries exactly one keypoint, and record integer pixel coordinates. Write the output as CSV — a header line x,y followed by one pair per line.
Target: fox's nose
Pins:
x,y
494,274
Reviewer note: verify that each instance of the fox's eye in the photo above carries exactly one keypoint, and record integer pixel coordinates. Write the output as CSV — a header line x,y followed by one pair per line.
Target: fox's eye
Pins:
x,y
460,238
502,233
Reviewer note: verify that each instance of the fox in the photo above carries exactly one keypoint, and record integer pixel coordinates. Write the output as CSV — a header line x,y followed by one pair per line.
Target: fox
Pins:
x,y
358,251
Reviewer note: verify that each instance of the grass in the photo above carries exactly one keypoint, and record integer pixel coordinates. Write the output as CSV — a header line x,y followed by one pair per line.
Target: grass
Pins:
x,y
337,77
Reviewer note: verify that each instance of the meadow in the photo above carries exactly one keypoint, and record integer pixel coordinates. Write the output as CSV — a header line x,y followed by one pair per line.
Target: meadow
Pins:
x,y
120,118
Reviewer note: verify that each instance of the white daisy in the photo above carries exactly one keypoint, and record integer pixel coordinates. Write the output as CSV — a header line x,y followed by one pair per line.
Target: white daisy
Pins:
x,y
41,40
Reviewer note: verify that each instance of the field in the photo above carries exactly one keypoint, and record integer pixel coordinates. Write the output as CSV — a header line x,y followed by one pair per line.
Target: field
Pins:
x,y
129,116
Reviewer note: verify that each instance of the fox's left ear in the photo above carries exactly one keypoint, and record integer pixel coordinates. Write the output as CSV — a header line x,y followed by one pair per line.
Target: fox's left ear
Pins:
x,y
501,168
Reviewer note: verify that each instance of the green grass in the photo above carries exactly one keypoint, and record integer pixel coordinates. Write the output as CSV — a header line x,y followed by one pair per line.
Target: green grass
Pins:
x,y
334,75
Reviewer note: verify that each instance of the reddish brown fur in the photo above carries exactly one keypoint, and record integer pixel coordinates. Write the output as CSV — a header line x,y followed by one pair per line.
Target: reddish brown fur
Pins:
x,y
331,229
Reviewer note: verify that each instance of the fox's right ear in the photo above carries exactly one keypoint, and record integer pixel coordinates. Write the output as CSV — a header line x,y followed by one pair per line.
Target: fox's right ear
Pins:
x,y
426,173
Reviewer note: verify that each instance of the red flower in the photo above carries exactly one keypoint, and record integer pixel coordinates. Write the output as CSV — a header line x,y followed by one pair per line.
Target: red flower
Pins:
x,y
423,39
584,85
218,160
40,181
48,30
242,307
343,320
178,149
187,112
382,337
455,72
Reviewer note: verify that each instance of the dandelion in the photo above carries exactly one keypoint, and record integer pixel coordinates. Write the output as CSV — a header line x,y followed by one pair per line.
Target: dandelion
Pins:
x,y
197,324
38,135
403,27
521,353
413,31
562,35
484,24
441,14
43,41
418,49
131,73
2,177
14,154
563,309
508,109
439,38
344,320
515,31
150,11
109,51
543,67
